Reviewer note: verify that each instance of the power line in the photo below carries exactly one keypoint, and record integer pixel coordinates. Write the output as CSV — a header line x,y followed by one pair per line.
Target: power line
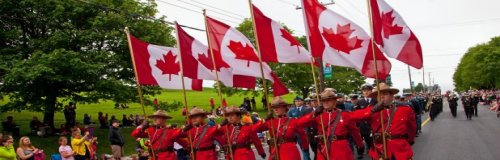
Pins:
x,y
221,13
192,10
136,15
288,3
218,8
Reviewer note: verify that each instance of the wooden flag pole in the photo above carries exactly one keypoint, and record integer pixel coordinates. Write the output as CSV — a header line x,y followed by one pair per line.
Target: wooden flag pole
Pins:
x,y
139,90
376,79
264,81
190,140
325,141
231,157
318,101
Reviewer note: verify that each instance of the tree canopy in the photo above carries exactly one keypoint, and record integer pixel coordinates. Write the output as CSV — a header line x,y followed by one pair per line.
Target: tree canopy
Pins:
x,y
55,51
479,67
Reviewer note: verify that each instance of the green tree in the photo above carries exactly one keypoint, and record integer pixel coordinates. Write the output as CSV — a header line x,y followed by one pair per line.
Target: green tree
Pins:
x,y
55,51
419,87
479,67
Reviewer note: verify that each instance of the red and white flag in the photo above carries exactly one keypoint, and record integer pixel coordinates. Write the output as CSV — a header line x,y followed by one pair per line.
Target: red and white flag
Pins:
x,y
393,35
237,51
198,64
340,42
275,43
159,66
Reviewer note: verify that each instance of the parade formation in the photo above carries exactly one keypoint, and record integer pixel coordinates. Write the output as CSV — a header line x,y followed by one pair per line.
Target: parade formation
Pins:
x,y
358,115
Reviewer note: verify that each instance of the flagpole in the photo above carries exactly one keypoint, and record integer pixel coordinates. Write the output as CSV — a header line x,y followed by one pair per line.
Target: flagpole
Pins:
x,y
264,81
409,75
376,79
139,89
315,82
423,78
231,157
184,91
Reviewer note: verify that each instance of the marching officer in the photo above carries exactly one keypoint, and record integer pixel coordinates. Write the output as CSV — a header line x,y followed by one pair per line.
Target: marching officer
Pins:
x,y
364,125
452,102
202,135
468,104
399,125
337,126
161,138
283,129
241,136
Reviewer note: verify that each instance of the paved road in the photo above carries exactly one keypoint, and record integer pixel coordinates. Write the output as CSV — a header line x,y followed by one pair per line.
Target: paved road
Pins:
x,y
448,138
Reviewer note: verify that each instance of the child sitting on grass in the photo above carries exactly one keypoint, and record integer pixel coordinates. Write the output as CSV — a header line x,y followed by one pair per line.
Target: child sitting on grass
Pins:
x,y
65,150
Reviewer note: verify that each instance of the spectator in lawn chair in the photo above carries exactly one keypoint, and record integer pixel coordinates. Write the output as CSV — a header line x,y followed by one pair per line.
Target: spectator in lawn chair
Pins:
x,y
39,128
162,138
7,151
240,135
284,131
87,120
202,135
26,151
116,140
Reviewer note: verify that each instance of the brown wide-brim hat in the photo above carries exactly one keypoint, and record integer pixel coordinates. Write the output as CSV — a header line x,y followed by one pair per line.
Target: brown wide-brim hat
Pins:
x,y
328,94
235,110
160,114
384,88
314,96
198,111
279,102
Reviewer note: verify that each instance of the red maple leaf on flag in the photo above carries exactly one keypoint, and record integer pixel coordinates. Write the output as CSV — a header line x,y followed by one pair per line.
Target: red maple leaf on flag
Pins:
x,y
342,40
387,27
290,38
243,52
168,65
206,60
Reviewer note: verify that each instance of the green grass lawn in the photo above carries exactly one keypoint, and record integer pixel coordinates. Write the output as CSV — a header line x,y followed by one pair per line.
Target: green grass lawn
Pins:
x,y
200,99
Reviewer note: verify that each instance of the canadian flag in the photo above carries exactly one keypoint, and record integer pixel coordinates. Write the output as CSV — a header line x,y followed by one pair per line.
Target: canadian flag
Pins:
x,y
238,53
275,43
394,36
198,64
159,66
341,42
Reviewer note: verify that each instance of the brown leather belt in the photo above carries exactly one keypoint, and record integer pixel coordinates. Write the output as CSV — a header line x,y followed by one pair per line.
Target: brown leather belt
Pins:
x,y
282,140
238,146
212,147
167,149
377,137
334,138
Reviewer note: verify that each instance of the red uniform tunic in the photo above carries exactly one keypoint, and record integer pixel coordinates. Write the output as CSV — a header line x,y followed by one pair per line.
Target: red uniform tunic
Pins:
x,y
206,147
287,147
403,124
162,144
241,137
339,149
